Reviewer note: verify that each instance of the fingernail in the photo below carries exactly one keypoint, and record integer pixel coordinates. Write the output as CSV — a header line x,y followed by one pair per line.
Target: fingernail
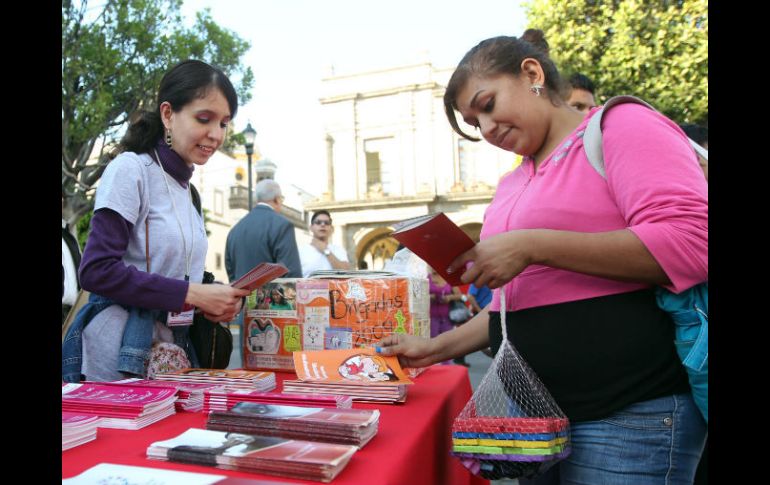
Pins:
x,y
377,349
449,270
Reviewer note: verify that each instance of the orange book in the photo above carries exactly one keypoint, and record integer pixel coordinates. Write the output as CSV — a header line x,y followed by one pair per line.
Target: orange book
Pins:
x,y
350,366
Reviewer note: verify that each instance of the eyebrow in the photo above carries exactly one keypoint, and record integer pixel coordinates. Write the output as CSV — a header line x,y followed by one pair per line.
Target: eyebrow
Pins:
x,y
473,99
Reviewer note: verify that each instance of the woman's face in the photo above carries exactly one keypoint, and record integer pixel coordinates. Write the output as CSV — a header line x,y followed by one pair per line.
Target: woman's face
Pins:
x,y
506,112
199,128
277,296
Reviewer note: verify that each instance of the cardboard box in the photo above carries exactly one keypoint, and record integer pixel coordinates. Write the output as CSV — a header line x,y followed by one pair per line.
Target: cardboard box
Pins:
x,y
291,314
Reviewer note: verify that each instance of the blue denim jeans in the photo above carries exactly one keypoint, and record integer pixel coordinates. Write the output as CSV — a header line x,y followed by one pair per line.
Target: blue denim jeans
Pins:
x,y
656,442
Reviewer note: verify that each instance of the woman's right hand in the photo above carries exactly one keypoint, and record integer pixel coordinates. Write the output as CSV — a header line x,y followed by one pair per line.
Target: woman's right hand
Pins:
x,y
219,303
412,351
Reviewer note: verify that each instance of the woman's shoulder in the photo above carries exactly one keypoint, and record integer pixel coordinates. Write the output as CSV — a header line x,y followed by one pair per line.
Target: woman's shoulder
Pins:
x,y
634,118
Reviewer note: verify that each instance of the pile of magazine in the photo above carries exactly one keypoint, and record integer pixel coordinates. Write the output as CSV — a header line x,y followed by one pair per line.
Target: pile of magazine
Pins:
x,y
229,378
123,407
331,425
306,460
189,395
77,429
222,399
359,373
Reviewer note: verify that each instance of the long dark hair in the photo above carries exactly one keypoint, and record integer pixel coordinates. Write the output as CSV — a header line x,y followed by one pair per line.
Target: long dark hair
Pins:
x,y
183,83
501,55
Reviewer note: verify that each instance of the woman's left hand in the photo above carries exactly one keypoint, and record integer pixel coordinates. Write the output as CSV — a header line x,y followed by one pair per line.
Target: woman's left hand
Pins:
x,y
497,260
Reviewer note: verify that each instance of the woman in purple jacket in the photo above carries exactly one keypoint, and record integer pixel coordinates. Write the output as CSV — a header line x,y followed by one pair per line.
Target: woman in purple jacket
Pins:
x,y
143,262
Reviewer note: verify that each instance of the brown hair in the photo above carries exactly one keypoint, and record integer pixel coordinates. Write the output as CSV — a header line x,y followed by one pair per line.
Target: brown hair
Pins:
x,y
501,55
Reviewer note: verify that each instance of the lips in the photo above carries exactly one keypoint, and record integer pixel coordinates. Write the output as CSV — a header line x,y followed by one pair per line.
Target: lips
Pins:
x,y
501,137
206,150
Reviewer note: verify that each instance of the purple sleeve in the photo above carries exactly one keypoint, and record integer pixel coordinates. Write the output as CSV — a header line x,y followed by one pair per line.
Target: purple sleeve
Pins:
x,y
102,270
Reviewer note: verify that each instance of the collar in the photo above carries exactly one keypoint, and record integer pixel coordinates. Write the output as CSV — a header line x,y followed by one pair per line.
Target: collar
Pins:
x,y
173,163
264,204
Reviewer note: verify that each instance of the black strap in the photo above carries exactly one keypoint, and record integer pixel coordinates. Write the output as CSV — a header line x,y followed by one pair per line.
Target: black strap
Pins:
x,y
196,198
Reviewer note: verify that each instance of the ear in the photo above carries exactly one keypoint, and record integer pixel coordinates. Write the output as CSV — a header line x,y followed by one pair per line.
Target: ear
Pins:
x,y
166,113
532,71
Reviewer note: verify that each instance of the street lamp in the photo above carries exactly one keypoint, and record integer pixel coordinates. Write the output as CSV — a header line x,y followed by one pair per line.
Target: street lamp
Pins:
x,y
249,134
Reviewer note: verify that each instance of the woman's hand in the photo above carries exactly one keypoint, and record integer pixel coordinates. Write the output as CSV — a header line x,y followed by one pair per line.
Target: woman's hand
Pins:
x,y
496,260
219,303
412,351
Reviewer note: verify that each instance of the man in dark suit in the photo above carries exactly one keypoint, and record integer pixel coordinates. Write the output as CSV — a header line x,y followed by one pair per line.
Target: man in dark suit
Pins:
x,y
263,236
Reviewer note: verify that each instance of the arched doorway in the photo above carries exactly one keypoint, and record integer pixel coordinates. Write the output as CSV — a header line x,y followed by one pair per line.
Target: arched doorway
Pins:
x,y
375,249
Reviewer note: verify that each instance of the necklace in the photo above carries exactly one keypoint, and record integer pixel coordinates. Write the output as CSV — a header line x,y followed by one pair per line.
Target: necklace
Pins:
x,y
188,255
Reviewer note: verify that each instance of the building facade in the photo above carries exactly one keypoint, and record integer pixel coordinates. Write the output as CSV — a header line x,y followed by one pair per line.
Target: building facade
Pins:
x,y
391,155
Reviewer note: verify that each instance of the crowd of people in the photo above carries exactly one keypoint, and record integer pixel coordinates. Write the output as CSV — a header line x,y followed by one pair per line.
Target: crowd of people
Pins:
x,y
571,253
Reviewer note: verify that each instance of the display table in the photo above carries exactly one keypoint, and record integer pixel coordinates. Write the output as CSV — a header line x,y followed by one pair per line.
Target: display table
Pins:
x,y
411,446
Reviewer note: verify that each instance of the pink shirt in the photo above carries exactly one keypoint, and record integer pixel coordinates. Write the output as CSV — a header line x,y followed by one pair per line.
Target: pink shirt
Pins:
x,y
654,187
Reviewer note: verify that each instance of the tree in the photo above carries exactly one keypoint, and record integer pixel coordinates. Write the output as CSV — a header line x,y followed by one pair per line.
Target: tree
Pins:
x,y
657,50
113,57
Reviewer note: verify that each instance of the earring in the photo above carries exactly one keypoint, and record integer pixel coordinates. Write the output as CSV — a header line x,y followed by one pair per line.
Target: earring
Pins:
x,y
536,88
168,137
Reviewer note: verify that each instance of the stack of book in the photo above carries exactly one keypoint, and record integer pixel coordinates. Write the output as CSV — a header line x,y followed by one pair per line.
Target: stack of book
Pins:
x,y
306,460
229,378
77,429
330,425
123,407
190,395
359,373
222,399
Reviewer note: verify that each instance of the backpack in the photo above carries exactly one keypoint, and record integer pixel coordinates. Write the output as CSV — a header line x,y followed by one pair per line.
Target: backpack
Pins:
x,y
688,309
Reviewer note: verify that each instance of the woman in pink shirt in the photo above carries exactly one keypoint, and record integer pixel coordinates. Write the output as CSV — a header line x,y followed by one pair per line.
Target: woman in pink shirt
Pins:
x,y
578,257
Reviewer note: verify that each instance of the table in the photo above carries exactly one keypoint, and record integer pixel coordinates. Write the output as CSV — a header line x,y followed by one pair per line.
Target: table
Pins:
x,y
411,446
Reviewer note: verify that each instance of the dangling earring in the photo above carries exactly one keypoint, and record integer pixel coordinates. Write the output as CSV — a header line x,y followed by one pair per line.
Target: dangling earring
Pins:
x,y
168,137
536,88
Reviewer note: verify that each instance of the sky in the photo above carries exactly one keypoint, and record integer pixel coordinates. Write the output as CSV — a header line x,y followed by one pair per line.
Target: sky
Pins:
x,y
295,43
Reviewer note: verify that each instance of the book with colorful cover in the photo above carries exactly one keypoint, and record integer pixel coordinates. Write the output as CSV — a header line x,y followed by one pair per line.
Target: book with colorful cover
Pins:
x,y
435,239
362,366
259,275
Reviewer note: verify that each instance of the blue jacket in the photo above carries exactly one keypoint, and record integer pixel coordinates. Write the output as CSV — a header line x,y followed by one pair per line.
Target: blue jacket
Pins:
x,y
689,310
136,343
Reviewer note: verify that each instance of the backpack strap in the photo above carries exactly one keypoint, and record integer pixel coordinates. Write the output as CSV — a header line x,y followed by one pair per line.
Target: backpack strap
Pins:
x,y
196,198
592,138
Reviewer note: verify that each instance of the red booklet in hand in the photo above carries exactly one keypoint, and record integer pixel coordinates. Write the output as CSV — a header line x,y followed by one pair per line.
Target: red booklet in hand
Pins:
x,y
435,239
259,275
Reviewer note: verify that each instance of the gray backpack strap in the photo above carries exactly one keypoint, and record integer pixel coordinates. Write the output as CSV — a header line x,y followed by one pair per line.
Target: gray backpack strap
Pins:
x,y
592,138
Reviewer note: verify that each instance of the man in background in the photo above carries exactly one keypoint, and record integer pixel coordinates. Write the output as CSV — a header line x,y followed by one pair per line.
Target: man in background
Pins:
x,y
321,254
700,135
263,236
580,93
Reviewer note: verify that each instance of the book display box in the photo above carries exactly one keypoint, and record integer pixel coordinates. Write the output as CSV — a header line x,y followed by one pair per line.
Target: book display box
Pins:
x,y
290,314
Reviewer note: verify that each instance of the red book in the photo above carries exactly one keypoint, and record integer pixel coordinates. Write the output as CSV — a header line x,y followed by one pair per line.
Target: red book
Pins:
x,y
259,275
435,239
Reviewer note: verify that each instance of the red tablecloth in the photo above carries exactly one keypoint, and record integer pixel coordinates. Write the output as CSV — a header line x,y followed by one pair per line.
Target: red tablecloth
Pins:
x,y
411,447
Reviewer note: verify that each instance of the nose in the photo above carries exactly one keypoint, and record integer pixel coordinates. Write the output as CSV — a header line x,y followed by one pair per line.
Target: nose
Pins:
x,y
217,133
487,128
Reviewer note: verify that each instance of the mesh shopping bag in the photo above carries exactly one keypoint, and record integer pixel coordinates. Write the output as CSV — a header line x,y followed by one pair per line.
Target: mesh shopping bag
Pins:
x,y
511,427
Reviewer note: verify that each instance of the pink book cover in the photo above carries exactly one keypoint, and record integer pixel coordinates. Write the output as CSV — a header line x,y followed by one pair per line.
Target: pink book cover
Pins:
x,y
125,397
350,366
259,275
77,419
